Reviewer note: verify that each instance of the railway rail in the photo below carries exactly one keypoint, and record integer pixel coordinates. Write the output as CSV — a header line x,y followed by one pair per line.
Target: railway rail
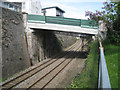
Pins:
x,y
40,75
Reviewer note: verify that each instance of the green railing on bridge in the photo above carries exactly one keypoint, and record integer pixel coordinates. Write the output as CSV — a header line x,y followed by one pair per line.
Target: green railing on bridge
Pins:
x,y
89,24
36,18
62,20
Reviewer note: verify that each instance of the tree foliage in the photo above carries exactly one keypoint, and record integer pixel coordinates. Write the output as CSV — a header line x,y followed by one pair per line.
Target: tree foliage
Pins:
x,y
111,16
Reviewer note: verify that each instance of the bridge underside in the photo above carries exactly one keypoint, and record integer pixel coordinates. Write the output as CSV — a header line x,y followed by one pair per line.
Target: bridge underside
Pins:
x,y
62,28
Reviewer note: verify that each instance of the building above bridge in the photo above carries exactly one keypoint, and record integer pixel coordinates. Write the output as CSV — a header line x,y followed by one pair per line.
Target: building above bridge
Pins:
x,y
11,5
27,6
53,11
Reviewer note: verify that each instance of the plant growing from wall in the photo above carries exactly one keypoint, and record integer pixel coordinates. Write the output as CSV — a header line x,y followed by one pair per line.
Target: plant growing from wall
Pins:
x,y
20,57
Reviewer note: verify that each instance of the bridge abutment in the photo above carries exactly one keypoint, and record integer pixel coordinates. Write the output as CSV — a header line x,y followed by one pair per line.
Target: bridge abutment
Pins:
x,y
44,44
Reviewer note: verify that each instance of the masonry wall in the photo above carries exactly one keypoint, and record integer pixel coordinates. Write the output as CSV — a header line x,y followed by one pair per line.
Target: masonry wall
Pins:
x,y
14,53
65,39
45,44
42,44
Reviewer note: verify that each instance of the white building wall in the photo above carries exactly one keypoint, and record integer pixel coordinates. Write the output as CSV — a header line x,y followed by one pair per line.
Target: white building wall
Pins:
x,y
11,6
30,6
35,7
26,6
51,12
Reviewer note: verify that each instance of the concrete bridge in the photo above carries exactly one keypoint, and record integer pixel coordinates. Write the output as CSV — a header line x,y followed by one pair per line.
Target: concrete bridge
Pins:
x,y
62,24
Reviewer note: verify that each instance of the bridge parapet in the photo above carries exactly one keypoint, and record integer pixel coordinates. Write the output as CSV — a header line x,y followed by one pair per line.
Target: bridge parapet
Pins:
x,y
62,20
36,18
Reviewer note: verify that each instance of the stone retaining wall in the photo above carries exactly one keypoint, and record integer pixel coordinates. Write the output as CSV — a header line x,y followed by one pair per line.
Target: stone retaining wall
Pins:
x,y
14,58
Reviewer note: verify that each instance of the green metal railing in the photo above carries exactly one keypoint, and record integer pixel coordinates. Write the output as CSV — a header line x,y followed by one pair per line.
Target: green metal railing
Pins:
x,y
89,24
63,21
36,18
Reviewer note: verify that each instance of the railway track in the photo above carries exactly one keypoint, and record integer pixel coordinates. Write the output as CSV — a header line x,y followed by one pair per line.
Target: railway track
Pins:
x,y
42,74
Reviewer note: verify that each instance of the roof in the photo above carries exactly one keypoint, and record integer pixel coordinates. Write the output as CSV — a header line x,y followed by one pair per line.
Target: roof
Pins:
x,y
54,7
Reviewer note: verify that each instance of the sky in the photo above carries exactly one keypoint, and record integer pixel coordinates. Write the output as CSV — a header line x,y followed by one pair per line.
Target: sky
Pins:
x,y
75,8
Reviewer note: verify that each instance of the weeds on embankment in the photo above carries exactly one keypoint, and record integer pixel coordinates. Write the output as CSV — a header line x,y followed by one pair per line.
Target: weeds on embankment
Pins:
x,y
89,75
111,52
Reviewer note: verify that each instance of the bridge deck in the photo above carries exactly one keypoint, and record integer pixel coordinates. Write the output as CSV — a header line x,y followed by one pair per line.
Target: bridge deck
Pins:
x,y
62,24
64,28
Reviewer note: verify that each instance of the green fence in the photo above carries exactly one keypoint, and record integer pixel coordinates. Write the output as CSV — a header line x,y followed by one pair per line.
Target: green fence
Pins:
x,y
62,20
89,24
36,18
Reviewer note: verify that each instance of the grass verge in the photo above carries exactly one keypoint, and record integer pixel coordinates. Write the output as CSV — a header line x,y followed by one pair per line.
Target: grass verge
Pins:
x,y
89,75
111,56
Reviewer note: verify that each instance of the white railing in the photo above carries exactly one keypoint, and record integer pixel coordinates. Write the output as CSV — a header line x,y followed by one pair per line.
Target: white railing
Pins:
x,y
103,79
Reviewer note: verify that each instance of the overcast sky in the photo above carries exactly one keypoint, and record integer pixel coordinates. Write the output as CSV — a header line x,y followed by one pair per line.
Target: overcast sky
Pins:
x,y
74,8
